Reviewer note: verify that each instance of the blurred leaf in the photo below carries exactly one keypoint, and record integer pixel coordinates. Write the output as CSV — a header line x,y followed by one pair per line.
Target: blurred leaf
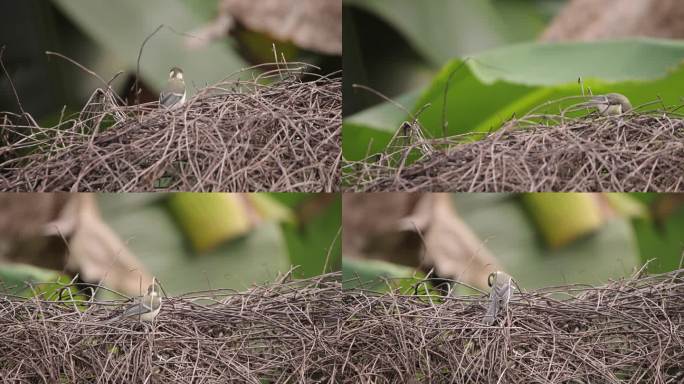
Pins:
x,y
662,242
30,281
374,127
494,86
645,198
122,26
205,10
210,219
60,289
563,217
441,29
378,275
270,208
151,233
537,64
290,199
628,205
14,276
316,247
506,229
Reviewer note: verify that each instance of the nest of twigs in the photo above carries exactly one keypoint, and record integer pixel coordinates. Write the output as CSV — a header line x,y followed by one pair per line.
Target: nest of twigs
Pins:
x,y
282,333
312,330
631,152
274,132
628,331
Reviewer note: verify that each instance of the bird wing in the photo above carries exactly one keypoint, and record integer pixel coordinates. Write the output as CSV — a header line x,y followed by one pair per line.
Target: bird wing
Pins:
x,y
169,99
491,312
499,296
173,92
493,306
135,310
145,305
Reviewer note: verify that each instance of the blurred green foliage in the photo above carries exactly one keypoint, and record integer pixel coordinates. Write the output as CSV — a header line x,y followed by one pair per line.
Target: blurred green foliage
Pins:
x,y
378,275
29,281
397,46
315,245
493,86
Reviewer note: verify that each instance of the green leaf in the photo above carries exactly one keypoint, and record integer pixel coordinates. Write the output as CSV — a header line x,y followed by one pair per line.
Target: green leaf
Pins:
x,y
315,246
14,276
210,219
374,127
537,64
662,243
377,275
563,217
440,29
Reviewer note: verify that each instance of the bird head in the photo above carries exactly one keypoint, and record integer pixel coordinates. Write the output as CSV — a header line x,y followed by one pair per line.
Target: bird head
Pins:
x,y
611,103
176,73
491,279
153,289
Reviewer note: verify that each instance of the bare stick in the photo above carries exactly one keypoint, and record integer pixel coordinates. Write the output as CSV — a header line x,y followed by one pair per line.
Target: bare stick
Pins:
x,y
136,89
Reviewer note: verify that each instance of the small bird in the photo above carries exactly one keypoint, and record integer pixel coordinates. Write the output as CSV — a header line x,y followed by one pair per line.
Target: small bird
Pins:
x,y
502,289
611,104
144,309
173,94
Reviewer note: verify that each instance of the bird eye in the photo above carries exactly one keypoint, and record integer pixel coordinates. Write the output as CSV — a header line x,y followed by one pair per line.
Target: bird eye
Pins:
x,y
490,279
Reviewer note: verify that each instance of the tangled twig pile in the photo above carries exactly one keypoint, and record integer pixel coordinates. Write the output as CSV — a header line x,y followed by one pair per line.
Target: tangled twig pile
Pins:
x,y
314,331
240,136
633,152
270,334
629,331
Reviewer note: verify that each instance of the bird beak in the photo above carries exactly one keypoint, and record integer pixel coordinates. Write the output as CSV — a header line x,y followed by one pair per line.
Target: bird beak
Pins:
x,y
598,100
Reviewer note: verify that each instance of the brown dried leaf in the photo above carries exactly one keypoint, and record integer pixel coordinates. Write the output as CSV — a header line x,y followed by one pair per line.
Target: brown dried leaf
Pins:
x,y
311,24
587,20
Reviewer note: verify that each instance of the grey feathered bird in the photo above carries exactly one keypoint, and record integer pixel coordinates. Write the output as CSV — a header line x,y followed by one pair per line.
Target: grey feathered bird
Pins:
x,y
499,296
610,104
173,93
146,308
